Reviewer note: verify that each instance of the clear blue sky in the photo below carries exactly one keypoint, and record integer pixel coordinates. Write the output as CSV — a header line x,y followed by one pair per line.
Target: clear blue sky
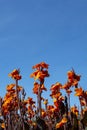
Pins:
x,y
53,31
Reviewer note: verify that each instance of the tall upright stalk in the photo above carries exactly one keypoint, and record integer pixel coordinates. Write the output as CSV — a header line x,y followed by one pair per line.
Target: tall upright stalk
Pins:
x,y
39,100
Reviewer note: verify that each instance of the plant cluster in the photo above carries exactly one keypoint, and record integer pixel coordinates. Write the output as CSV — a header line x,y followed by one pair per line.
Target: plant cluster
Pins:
x,y
19,113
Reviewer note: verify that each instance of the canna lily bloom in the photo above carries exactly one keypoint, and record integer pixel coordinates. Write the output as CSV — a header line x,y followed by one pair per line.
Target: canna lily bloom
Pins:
x,y
73,78
56,86
36,86
17,77
50,109
15,74
7,96
10,87
73,75
67,85
3,125
75,83
64,120
70,74
30,101
43,113
85,95
74,110
44,65
55,89
34,124
61,98
30,112
82,101
55,95
77,77
34,74
5,111
40,65
56,103
7,101
41,72
79,91
58,125
25,102
40,75
61,123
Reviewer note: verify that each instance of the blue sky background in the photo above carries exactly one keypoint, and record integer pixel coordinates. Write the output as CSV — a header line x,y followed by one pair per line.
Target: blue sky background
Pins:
x,y
53,31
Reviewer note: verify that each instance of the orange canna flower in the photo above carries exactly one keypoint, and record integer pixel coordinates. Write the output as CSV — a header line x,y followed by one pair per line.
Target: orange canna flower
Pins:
x,y
61,98
58,125
56,103
40,65
44,65
79,92
73,75
70,74
73,78
67,85
74,110
30,100
64,120
36,86
15,74
50,107
40,75
34,124
17,77
85,95
10,87
45,102
61,123
5,111
56,86
83,102
7,96
34,74
77,77
43,113
3,125
41,72
55,95
75,82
